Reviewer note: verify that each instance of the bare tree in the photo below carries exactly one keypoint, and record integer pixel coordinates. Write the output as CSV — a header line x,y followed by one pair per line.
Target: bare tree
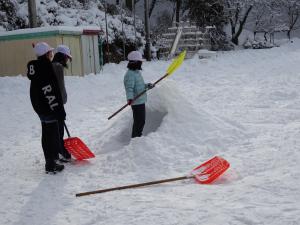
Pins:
x,y
179,5
238,12
152,5
265,18
291,13
163,21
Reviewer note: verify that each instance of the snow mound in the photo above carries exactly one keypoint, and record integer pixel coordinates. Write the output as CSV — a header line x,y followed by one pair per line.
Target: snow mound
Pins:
x,y
171,120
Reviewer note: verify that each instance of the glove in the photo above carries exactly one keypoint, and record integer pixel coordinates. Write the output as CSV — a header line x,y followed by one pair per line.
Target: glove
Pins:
x,y
129,101
150,86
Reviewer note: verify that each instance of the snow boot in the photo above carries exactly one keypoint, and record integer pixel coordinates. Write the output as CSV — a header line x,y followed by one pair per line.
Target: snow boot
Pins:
x,y
53,169
64,160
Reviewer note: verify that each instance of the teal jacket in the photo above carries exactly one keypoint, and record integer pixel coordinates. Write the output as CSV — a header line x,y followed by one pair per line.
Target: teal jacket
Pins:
x,y
134,85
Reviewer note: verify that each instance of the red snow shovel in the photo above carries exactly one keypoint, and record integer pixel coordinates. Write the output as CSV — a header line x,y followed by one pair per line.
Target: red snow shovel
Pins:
x,y
77,148
204,174
210,170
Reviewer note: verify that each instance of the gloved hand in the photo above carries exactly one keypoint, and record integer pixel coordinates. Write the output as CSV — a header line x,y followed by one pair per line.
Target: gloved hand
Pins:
x,y
150,86
129,101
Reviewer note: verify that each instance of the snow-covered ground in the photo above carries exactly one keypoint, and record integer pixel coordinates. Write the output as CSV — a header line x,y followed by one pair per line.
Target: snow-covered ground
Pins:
x,y
242,105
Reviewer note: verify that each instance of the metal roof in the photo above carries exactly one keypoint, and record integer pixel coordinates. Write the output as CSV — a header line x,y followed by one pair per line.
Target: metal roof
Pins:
x,y
48,32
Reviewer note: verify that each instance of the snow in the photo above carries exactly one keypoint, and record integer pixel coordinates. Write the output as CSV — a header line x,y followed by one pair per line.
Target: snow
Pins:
x,y
242,105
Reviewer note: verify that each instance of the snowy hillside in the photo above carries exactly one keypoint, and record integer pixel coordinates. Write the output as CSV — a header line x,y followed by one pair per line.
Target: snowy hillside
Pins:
x,y
14,15
242,105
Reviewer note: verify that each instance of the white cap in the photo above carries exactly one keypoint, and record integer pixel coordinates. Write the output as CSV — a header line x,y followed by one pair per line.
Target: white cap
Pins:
x,y
135,56
64,49
41,48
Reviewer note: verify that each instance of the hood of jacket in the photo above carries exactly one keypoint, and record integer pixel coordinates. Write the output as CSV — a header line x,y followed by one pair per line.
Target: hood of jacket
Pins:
x,y
36,68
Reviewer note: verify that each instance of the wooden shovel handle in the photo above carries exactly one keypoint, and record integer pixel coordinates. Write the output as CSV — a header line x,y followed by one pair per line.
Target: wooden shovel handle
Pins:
x,y
136,97
134,185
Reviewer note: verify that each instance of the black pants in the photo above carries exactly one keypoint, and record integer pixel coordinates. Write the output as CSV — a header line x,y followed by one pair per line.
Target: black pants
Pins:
x,y
139,116
50,142
62,150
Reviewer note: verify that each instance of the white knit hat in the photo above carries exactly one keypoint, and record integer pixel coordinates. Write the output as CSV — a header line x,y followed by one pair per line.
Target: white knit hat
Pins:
x,y
41,48
64,49
135,56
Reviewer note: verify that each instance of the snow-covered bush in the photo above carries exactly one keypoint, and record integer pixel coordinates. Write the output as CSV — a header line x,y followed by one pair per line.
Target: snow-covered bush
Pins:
x,y
247,44
219,40
261,45
257,44
73,4
112,9
9,17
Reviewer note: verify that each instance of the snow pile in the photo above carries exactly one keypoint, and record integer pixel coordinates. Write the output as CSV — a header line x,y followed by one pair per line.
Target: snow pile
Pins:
x,y
242,105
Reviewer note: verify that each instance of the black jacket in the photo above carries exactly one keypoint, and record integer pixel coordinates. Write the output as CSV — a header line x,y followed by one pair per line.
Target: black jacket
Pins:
x,y
59,73
44,90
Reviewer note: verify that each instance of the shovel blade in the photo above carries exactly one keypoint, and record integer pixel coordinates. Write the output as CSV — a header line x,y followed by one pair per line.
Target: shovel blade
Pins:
x,y
77,148
210,170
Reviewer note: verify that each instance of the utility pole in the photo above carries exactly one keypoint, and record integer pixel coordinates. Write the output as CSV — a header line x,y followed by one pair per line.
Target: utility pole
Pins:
x,y
133,11
128,4
106,31
178,6
123,34
147,31
32,13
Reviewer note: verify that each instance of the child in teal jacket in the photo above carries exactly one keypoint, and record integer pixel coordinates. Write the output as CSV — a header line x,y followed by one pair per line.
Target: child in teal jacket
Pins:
x,y
134,85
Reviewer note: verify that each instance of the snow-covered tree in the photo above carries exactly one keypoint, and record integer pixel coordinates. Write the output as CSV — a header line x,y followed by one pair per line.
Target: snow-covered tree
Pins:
x,y
163,22
206,12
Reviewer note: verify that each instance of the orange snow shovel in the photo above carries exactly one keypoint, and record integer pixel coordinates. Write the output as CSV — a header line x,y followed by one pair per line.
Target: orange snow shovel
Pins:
x,y
206,173
209,171
76,147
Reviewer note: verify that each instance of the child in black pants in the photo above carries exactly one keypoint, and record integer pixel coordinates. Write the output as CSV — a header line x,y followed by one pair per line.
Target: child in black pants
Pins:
x,y
60,62
47,102
134,85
